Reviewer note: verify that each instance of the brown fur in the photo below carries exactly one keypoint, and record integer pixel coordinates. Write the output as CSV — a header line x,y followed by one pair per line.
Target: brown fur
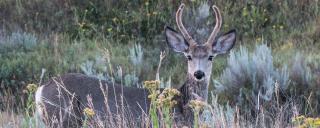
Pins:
x,y
76,88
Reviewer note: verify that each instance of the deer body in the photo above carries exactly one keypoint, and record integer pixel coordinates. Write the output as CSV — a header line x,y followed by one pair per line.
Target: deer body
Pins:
x,y
64,99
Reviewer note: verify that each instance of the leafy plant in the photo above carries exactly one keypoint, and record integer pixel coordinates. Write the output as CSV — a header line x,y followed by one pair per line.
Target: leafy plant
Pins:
x,y
250,78
18,41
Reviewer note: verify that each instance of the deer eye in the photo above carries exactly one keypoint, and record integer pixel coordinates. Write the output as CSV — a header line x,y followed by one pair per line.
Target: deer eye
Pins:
x,y
189,58
210,58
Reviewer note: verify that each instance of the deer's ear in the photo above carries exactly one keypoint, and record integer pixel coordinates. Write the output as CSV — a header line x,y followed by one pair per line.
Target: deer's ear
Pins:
x,y
224,42
176,40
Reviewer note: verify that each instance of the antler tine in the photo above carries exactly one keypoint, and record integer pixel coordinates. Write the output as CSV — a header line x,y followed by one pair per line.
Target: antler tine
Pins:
x,y
217,26
181,27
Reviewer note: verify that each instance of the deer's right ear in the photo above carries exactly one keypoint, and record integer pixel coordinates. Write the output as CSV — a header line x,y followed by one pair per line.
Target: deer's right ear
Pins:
x,y
176,40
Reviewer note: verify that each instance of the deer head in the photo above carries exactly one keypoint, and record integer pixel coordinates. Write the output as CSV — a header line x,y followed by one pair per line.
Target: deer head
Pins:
x,y
199,56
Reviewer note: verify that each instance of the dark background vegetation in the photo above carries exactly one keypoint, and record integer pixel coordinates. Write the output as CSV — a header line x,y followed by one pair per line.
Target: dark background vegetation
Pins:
x,y
95,37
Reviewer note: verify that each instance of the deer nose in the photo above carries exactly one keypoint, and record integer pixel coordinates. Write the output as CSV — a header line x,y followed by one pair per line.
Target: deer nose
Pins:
x,y
199,74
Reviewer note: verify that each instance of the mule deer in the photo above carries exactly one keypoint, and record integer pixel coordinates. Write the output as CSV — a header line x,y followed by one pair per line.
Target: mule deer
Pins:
x,y
62,100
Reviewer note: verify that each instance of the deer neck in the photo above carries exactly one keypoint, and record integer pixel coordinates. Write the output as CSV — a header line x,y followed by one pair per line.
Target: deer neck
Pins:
x,y
194,90
190,90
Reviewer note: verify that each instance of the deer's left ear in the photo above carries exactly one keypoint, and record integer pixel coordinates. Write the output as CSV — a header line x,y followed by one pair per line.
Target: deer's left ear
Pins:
x,y
224,43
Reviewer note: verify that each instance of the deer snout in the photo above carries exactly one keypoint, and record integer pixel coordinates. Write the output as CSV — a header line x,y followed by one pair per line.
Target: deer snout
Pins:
x,y
199,74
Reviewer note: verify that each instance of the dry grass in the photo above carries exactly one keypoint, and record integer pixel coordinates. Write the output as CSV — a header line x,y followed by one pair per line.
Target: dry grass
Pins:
x,y
10,120
214,116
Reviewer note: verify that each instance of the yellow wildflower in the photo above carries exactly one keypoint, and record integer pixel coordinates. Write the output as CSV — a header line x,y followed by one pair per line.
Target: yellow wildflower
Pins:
x,y
305,122
153,94
197,105
166,97
317,122
309,120
32,87
171,92
152,85
173,103
88,112
303,126
298,118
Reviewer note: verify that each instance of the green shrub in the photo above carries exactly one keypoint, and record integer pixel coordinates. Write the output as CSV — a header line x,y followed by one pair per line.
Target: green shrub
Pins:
x,y
252,82
250,78
18,41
